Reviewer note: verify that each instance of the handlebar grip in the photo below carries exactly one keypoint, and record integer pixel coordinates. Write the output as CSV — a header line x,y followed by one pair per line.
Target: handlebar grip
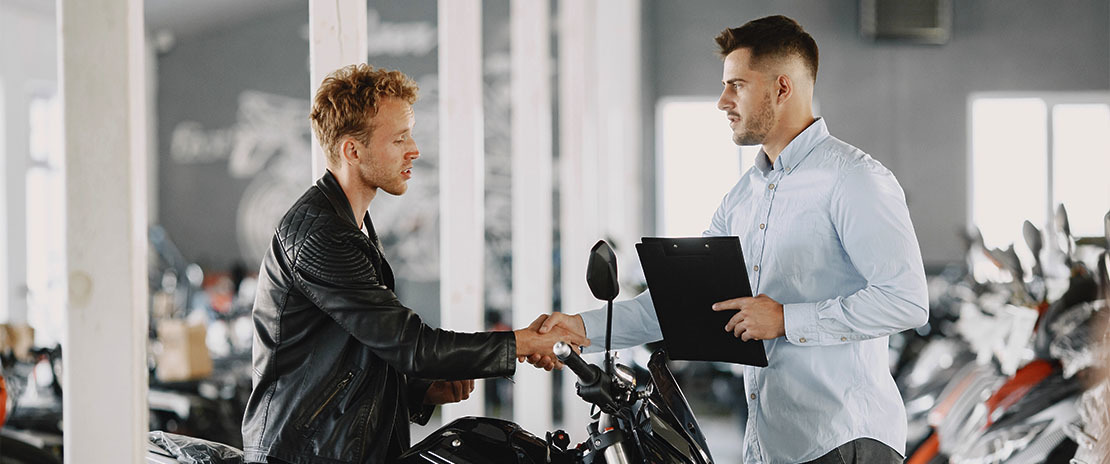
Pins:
x,y
587,373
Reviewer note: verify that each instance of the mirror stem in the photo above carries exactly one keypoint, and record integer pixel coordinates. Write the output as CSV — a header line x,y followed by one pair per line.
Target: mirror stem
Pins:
x,y
608,335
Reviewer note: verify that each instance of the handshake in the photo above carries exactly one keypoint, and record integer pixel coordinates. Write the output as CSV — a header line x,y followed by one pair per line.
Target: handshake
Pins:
x,y
533,344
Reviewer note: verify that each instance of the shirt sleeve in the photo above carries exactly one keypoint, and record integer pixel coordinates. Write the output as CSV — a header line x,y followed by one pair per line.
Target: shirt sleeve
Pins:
x,y
718,225
634,323
332,271
868,209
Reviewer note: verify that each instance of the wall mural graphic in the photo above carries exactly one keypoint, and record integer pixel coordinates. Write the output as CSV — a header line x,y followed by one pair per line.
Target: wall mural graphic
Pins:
x,y
417,38
268,144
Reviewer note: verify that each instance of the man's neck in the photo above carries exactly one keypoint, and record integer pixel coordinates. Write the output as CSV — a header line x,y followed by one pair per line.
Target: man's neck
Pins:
x,y
785,133
358,195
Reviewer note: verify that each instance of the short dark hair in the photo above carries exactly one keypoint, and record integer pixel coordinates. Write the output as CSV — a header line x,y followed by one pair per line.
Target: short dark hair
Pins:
x,y
771,37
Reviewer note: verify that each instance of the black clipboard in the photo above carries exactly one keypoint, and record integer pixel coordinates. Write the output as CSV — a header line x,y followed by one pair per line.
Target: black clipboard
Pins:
x,y
686,276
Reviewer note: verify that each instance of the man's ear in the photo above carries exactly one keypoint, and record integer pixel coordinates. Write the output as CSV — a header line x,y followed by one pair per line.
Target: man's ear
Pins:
x,y
784,88
348,151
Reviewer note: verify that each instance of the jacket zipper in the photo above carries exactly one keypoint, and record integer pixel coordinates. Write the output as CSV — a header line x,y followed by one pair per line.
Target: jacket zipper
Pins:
x,y
338,388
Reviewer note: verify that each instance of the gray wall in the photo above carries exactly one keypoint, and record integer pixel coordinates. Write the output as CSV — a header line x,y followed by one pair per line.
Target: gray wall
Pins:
x,y
201,81
241,93
903,104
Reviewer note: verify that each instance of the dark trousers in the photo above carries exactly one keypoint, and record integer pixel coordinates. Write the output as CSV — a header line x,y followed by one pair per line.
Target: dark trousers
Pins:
x,y
861,450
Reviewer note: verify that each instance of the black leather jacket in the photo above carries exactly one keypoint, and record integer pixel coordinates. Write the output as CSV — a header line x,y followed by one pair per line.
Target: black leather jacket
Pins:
x,y
337,358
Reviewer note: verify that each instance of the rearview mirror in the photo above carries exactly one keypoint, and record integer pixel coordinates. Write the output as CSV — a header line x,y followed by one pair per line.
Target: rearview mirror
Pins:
x,y
601,272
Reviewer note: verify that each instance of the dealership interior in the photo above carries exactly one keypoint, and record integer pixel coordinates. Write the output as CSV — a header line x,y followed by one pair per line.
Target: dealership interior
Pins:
x,y
151,148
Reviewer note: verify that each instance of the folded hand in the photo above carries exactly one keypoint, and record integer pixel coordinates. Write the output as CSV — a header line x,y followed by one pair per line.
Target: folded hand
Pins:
x,y
444,391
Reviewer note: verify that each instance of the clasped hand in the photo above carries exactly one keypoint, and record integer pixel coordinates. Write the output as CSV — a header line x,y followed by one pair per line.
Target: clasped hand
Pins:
x,y
530,342
536,341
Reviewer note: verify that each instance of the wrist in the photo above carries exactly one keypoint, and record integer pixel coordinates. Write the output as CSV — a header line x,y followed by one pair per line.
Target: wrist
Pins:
x,y
522,338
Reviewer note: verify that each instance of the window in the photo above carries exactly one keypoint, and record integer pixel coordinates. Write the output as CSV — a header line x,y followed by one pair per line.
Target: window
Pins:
x,y
1081,157
696,166
4,284
1031,152
45,222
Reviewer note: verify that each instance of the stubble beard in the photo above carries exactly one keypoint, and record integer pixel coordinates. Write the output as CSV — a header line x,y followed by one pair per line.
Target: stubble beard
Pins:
x,y
756,127
376,177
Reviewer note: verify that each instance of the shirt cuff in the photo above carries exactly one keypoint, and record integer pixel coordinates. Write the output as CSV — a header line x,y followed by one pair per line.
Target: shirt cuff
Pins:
x,y
800,322
594,322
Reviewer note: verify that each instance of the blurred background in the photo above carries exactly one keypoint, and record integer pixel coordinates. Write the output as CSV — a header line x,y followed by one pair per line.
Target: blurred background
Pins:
x,y
991,113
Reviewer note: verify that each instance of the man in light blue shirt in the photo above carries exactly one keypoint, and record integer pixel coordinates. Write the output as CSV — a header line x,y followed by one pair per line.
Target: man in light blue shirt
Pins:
x,y
833,259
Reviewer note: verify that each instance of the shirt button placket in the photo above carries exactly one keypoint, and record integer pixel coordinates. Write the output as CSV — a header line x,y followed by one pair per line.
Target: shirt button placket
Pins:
x,y
752,439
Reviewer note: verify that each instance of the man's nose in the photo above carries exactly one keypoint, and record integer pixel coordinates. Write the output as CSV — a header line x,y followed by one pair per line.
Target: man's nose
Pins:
x,y
724,103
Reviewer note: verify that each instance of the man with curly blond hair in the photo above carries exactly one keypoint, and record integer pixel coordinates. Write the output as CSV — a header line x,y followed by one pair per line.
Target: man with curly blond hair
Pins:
x,y
340,365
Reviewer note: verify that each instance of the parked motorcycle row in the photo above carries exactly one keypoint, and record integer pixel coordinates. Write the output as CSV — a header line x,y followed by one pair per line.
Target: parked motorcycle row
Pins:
x,y
1012,367
31,418
209,406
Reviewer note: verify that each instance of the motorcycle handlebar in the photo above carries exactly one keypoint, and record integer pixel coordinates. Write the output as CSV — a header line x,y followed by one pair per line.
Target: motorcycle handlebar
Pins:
x,y
587,373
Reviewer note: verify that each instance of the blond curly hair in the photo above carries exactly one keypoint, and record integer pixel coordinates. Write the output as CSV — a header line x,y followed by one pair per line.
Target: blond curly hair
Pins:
x,y
348,98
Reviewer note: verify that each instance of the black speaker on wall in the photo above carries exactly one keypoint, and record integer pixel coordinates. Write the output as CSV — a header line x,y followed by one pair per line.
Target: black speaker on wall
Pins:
x,y
912,21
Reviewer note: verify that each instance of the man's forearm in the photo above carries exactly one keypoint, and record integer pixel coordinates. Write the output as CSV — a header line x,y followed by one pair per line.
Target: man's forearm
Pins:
x,y
634,323
869,313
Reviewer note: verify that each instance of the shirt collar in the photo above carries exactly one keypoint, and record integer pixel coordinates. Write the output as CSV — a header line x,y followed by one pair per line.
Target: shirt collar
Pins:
x,y
796,150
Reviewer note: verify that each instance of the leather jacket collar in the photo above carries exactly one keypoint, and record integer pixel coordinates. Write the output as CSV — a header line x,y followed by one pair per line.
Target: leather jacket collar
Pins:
x,y
331,189
335,195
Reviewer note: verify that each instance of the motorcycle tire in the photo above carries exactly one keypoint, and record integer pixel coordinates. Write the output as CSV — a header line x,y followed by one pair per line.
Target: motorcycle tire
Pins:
x,y
19,452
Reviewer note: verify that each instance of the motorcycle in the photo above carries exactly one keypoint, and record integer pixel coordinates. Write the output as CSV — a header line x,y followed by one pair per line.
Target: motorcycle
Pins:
x,y
1013,366
637,418
633,421
31,416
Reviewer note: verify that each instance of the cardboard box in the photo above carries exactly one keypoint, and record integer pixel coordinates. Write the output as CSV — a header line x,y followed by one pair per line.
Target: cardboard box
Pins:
x,y
184,355
19,338
162,305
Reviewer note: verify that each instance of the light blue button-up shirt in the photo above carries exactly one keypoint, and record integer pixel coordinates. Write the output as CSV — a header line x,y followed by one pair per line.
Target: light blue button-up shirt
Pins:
x,y
825,231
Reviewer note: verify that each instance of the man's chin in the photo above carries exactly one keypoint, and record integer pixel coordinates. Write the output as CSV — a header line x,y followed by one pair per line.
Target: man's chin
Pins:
x,y
746,140
741,141
397,190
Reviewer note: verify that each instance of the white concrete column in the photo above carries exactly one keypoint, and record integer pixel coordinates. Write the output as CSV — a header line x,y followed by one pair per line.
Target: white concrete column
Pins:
x,y
620,134
461,179
578,176
531,197
102,88
4,220
337,38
